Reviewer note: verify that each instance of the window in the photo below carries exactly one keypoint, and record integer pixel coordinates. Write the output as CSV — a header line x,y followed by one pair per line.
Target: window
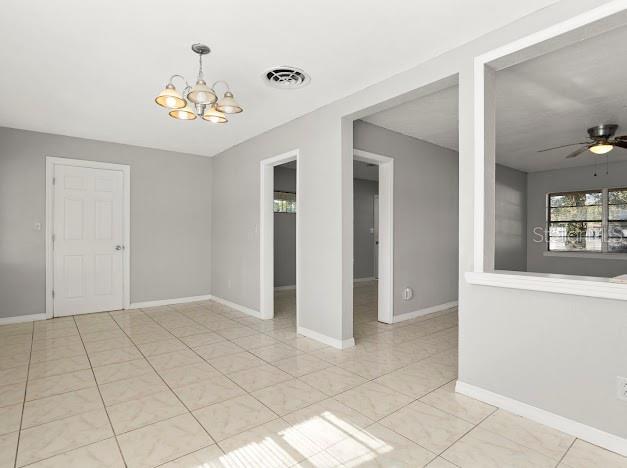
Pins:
x,y
588,221
284,202
617,220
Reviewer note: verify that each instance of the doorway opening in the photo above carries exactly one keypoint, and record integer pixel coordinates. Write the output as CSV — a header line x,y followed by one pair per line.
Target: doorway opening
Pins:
x,y
373,227
280,237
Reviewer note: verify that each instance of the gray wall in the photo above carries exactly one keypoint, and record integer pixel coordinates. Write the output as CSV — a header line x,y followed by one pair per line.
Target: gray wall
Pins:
x,y
425,215
363,221
557,352
510,247
170,218
284,232
578,178
235,238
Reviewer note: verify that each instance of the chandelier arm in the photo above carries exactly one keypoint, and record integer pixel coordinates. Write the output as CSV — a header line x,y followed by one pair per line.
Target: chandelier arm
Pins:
x,y
213,86
181,77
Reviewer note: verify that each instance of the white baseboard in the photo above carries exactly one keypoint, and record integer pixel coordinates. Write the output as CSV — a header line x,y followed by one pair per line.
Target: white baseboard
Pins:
x,y
327,340
241,308
589,434
425,311
162,302
361,280
284,288
22,318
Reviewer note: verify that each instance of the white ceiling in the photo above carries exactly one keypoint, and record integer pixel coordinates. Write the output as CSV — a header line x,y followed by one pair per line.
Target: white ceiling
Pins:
x,y
544,102
92,68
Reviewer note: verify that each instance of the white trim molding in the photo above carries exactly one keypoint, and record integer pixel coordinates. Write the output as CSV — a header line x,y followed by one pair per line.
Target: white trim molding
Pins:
x,y
425,311
589,286
582,431
51,161
239,307
22,318
327,340
164,302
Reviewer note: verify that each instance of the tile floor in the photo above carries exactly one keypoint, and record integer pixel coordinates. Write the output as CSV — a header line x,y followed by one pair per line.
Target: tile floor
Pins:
x,y
202,385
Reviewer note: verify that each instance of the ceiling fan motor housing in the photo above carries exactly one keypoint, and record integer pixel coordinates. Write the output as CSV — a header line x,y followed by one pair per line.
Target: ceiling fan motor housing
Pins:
x,y
602,132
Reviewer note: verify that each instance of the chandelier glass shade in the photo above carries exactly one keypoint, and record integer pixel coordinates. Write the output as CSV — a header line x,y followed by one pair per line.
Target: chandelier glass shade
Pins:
x,y
170,98
199,100
214,116
186,113
228,105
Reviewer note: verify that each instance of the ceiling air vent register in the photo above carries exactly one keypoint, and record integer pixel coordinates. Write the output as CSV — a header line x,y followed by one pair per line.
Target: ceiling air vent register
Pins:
x,y
286,77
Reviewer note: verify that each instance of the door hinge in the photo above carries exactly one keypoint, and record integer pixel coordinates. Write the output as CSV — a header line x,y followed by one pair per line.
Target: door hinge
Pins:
x,y
54,181
53,293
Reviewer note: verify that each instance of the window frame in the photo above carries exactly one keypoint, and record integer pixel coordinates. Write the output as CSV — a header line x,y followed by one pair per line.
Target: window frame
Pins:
x,y
605,222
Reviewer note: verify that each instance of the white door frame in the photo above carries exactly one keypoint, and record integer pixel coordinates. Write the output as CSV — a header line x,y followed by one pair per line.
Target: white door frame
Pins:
x,y
266,233
386,231
126,230
376,238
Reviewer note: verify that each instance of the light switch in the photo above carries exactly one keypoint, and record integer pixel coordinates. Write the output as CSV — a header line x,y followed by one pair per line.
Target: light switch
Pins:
x,y
37,227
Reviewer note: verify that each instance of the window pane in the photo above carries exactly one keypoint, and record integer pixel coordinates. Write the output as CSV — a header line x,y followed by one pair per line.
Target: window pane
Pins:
x,y
617,229
576,236
616,244
618,212
617,197
576,199
577,213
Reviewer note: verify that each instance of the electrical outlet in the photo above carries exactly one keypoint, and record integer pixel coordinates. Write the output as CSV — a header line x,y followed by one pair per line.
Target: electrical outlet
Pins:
x,y
621,388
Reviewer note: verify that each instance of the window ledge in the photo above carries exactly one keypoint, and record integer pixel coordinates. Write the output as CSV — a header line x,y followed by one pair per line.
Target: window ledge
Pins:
x,y
596,255
589,286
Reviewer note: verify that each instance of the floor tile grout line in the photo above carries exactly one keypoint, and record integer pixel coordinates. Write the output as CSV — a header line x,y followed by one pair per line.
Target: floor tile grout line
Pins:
x,y
104,407
61,393
536,451
265,332
189,411
449,413
370,380
67,451
224,375
189,453
566,452
19,433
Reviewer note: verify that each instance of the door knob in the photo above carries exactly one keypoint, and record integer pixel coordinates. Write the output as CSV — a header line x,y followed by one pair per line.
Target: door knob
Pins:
x,y
119,247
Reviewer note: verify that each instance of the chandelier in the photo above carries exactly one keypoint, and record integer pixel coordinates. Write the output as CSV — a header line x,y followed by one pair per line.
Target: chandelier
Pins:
x,y
199,100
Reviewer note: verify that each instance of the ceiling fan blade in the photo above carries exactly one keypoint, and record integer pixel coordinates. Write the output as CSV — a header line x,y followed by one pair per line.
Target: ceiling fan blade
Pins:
x,y
620,143
562,146
577,152
622,137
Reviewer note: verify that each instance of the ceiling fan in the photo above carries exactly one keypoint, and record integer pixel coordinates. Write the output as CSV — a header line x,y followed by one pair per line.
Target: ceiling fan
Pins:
x,y
602,141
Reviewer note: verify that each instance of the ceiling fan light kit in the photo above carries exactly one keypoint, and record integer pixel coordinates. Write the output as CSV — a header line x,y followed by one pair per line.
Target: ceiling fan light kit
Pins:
x,y
602,141
199,100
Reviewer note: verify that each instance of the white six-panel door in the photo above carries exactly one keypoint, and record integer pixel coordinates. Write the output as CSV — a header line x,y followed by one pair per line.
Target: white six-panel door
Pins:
x,y
88,240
